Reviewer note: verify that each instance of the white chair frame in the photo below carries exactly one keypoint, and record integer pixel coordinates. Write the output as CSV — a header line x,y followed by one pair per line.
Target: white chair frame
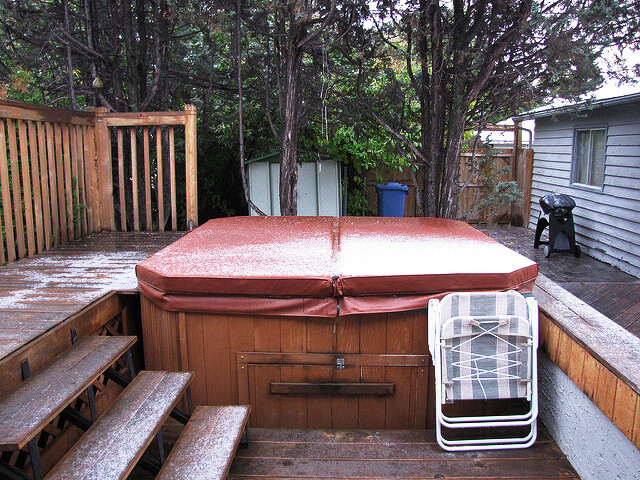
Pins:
x,y
526,419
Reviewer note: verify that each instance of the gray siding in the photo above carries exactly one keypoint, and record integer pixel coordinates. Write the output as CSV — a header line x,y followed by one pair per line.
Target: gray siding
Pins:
x,y
607,221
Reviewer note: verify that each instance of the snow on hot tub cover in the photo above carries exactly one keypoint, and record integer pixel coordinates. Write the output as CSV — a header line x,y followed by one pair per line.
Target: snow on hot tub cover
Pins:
x,y
327,266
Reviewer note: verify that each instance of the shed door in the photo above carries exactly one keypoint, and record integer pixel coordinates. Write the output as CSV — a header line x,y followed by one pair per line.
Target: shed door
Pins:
x,y
319,188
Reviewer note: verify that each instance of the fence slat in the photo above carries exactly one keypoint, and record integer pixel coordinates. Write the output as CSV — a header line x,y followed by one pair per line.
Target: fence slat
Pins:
x,y
53,189
123,207
3,259
91,175
15,183
160,179
75,190
26,187
134,179
66,157
172,173
62,202
6,197
147,178
35,186
44,182
82,199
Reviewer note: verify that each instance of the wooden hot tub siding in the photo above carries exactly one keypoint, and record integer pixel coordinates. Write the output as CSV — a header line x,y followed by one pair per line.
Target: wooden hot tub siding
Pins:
x,y
236,358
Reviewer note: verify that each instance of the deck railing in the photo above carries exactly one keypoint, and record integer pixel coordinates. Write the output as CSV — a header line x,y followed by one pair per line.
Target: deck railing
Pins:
x,y
156,170
59,180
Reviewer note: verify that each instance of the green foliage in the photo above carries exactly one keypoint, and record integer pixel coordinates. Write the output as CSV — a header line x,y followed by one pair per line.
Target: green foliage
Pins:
x,y
347,76
21,86
363,153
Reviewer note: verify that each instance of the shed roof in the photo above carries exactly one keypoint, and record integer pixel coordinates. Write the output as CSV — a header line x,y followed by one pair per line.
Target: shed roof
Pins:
x,y
303,156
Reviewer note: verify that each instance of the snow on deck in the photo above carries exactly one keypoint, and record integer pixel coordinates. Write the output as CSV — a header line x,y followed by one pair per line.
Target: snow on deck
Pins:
x,y
40,292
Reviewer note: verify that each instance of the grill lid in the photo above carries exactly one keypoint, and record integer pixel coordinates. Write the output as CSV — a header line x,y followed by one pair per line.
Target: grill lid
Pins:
x,y
555,201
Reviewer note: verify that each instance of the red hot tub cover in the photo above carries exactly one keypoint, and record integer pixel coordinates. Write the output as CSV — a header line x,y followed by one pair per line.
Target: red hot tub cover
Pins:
x,y
327,266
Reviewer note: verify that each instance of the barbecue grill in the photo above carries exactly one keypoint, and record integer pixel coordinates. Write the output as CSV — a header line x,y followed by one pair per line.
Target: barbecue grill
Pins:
x,y
558,216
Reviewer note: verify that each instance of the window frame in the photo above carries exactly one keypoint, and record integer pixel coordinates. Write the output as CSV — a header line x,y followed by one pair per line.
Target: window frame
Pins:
x,y
574,156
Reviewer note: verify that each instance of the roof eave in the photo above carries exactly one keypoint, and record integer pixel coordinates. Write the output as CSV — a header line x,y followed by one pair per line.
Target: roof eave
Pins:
x,y
581,106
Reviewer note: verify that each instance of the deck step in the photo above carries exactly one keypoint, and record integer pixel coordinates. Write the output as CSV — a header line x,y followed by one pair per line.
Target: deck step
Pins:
x,y
207,445
113,445
27,409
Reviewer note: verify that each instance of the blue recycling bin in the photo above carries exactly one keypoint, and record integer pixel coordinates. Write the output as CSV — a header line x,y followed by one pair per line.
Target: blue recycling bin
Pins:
x,y
391,199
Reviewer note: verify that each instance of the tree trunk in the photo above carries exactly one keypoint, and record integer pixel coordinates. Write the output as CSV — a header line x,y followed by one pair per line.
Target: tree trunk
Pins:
x,y
141,60
243,173
289,159
72,93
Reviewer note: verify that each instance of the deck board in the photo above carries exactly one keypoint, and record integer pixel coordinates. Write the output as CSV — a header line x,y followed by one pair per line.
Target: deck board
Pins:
x,y
608,289
359,454
114,443
39,292
40,398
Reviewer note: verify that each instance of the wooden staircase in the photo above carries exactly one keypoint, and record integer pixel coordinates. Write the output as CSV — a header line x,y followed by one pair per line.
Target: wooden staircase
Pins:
x,y
113,445
115,442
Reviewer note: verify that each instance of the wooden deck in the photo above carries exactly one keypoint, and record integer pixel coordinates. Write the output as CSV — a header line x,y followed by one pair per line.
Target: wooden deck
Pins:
x,y
609,290
40,292
408,454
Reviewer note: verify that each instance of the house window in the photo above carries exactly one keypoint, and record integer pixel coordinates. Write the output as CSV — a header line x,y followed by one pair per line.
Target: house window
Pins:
x,y
588,157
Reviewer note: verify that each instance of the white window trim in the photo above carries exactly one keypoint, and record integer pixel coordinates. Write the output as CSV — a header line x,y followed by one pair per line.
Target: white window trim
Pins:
x,y
586,128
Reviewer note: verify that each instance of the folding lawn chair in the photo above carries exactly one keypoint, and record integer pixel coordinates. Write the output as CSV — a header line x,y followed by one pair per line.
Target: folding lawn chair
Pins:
x,y
484,347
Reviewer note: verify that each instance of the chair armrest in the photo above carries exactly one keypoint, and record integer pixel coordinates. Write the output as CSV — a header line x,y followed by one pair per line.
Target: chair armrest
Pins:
x,y
433,319
532,305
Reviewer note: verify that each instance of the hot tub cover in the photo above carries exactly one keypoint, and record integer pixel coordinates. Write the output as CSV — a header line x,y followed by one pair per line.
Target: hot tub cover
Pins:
x,y
327,266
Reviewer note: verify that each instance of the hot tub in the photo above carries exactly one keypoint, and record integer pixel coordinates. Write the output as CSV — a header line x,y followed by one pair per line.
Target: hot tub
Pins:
x,y
317,322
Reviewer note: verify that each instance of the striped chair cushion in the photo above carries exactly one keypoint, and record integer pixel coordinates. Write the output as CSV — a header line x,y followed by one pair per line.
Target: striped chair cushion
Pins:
x,y
485,357
483,304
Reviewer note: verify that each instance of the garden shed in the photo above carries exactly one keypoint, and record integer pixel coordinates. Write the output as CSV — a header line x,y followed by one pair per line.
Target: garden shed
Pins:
x,y
591,151
319,184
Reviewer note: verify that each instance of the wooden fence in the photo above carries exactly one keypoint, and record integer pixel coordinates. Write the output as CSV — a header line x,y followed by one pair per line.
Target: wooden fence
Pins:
x,y
518,159
59,180
520,163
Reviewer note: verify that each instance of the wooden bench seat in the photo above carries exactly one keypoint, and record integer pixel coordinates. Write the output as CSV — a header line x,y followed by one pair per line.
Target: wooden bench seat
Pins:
x,y
113,445
29,407
207,444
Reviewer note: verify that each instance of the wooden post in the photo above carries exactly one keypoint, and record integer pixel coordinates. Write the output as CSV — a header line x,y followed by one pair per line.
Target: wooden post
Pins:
x,y
191,162
106,215
526,162
516,211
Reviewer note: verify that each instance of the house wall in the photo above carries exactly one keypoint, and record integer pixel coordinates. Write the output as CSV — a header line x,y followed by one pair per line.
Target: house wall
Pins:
x,y
607,221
